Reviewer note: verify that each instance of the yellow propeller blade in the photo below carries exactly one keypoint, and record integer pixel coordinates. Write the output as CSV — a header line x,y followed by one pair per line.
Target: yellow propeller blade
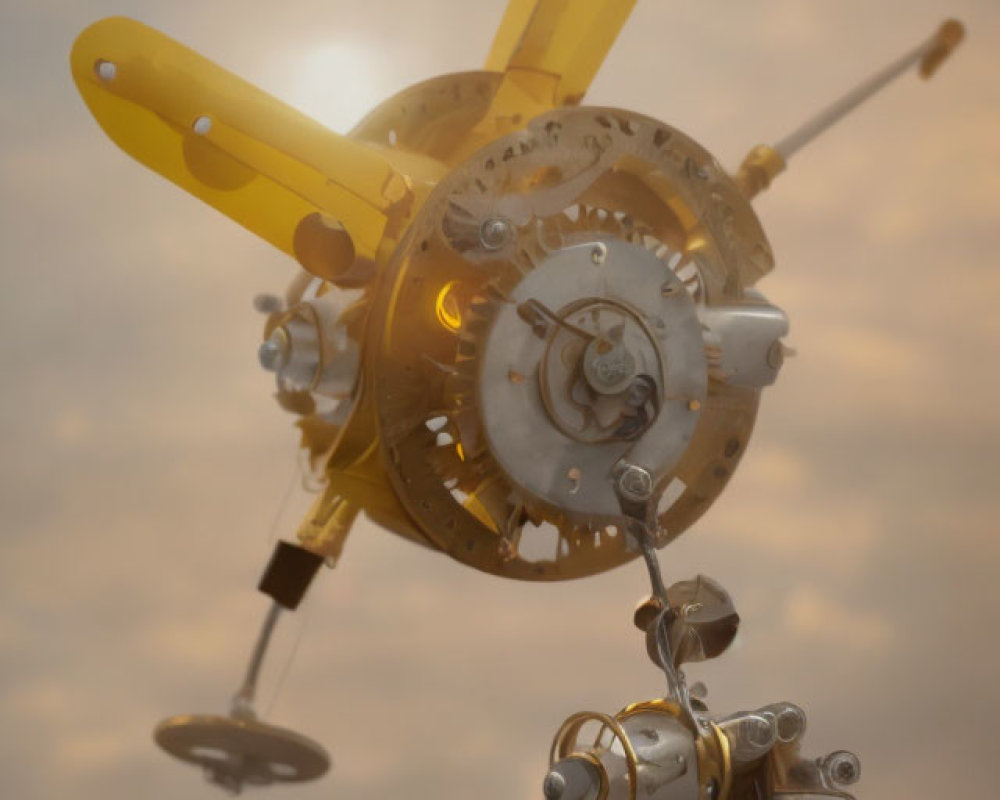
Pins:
x,y
553,48
240,150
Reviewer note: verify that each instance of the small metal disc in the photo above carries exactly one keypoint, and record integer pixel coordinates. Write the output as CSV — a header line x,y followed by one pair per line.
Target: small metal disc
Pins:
x,y
242,751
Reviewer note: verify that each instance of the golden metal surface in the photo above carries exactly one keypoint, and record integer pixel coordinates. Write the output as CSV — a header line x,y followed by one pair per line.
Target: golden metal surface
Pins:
x,y
761,166
254,158
553,48
660,705
714,762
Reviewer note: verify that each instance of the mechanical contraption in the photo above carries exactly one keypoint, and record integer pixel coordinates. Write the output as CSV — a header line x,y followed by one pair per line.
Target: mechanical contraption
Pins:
x,y
525,332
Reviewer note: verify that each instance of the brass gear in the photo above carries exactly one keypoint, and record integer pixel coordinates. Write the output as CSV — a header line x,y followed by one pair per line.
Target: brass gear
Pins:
x,y
487,226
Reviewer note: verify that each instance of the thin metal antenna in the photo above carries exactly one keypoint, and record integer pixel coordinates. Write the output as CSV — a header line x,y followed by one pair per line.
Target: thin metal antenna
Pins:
x,y
765,162
244,698
938,46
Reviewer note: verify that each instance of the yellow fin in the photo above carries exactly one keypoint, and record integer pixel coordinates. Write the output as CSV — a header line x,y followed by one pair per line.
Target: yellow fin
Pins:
x,y
249,155
563,41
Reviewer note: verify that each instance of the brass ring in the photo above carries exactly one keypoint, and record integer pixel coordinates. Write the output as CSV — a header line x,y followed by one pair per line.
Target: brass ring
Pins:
x,y
570,730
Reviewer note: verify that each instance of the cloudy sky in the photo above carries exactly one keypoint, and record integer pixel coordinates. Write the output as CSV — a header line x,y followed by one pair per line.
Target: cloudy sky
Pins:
x,y
145,461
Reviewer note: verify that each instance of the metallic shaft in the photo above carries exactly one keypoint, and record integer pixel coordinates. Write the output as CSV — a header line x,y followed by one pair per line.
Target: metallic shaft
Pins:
x,y
676,683
653,566
243,701
928,55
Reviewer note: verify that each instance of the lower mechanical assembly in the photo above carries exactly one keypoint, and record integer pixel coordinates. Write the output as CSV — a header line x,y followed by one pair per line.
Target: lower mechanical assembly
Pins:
x,y
676,748
648,751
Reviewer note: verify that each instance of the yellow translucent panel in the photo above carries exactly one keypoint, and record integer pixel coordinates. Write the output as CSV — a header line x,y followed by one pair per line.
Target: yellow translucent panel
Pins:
x,y
240,150
561,41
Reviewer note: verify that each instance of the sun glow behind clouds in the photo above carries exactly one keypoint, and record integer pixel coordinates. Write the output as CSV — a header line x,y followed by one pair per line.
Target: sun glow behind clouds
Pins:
x,y
335,83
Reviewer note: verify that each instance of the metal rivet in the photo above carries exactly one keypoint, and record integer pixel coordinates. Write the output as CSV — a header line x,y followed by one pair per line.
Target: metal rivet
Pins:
x,y
202,125
106,70
635,483
495,233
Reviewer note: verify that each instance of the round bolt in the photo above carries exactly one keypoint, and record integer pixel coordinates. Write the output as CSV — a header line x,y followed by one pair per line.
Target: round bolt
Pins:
x,y
106,70
842,768
635,483
669,289
495,233
202,125
553,786
271,353
599,254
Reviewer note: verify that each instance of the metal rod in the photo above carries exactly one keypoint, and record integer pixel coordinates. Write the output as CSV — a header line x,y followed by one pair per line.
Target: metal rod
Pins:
x,y
243,701
652,565
928,55
676,682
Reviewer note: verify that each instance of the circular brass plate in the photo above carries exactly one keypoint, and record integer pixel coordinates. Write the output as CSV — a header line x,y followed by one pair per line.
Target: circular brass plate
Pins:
x,y
242,750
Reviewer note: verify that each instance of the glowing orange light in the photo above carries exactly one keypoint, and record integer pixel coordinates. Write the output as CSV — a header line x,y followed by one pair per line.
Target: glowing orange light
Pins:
x,y
447,309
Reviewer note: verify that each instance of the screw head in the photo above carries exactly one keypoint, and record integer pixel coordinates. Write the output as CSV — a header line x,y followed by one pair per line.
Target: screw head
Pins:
x,y
272,352
635,483
495,233
842,767
202,125
106,70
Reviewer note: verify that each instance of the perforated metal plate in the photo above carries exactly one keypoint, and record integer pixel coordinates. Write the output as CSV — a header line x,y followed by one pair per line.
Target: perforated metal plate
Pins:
x,y
571,173
235,752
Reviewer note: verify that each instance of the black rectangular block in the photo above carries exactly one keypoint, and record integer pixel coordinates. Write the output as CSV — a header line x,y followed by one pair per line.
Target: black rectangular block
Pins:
x,y
289,573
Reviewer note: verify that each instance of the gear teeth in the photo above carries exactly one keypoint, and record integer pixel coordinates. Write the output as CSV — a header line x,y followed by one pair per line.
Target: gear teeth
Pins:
x,y
468,466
